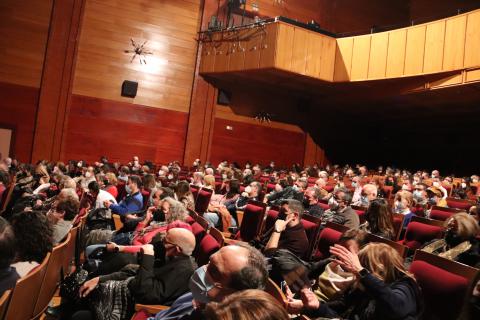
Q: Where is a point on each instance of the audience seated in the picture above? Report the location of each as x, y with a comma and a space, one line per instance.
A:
33, 240
460, 242
8, 274
340, 211
379, 219
403, 204
133, 201
310, 202
384, 289
147, 284
100, 196
62, 217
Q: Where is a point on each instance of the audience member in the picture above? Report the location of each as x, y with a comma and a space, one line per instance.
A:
8, 274
310, 202
379, 219
133, 201
340, 211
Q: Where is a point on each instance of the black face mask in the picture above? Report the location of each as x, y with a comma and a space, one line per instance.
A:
158, 215
282, 214
452, 239
306, 203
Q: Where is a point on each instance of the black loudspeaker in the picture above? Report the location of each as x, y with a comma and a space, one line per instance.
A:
129, 88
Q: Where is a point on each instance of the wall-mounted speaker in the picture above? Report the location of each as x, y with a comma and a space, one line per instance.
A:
129, 88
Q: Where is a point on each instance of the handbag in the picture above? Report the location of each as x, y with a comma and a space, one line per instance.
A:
70, 285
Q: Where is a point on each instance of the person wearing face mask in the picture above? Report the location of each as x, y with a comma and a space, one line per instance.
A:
132, 202
88, 176
288, 232
252, 192
290, 192
436, 197
100, 196
368, 193
340, 211
403, 203
310, 202
153, 282
217, 214
233, 268
463, 190
459, 242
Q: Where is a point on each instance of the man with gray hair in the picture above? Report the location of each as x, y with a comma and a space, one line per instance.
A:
340, 211
288, 232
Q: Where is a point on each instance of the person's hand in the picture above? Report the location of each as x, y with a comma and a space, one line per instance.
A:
106, 204
38, 203
112, 247
309, 299
347, 260
281, 225
148, 249
88, 287
294, 306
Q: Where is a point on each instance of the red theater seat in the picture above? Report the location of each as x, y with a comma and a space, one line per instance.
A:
253, 216
272, 215
328, 237
361, 212
420, 231
312, 229
207, 247
445, 285
441, 213
203, 200
460, 203
398, 224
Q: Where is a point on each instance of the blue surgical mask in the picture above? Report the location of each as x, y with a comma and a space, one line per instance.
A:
200, 284
399, 207
128, 189
354, 184
364, 201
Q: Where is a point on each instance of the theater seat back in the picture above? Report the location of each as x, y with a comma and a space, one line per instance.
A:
328, 237
252, 222
207, 247
418, 234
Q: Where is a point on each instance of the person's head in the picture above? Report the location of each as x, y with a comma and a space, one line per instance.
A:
461, 227
67, 193
369, 193
320, 183
67, 182
379, 217
198, 177
434, 195
300, 185
41, 173
291, 209
209, 181
66, 209
353, 240
233, 268
341, 199
34, 236
182, 188
311, 197
253, 189
149, 181
111, 178
90, 172
383, 261
94, 188
7, 244
178, 242
249, 304
435, 174
403, 201
233, 188
209, 171
173, 210
134, 184
420, 194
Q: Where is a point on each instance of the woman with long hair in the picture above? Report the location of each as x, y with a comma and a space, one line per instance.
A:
384, 289
379, 219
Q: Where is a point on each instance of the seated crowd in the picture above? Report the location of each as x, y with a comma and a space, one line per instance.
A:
152, 256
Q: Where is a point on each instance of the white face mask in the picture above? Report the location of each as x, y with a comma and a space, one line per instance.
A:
278, 188
475, 180
170, 177
200, 284
399, 207
88, 174
224, 176
161, 173
464, 185
248, 189
128, 189
332, 203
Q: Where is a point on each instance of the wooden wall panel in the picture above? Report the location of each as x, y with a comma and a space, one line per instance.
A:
454, 42
18, 106
170, 28
23, 38
415, 50
313, 61
397, 41
327, 60
267, 57
378, 56
343, 59
283, 57
256, 143
237, 52
360, 57
253, 49
299, 50
434, 42
120, 130
472, 40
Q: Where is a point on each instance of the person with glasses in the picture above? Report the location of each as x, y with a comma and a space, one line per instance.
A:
340, 211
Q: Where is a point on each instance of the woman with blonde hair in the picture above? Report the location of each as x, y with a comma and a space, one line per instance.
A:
111, 184
403, 204
384, 289
459, 242
246, 305
209, 182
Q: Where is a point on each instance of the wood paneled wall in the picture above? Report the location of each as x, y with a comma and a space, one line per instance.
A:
18, 106
23, 37
120, 130
170, 27
256, 143
427, 10
444, 45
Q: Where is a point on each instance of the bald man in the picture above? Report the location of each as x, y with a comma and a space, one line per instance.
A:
156, 284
